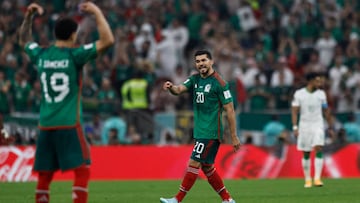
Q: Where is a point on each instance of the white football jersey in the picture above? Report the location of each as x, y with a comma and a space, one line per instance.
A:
311, 105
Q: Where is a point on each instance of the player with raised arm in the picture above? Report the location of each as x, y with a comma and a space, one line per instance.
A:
4, 135
311, 103
211, 96
61, 143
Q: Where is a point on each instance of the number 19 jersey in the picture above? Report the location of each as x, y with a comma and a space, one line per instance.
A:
60, 72
209, 96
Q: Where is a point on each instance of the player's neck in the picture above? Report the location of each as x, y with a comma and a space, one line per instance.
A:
64, 43
310, 88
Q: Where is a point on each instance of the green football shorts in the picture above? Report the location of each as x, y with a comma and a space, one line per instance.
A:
61, 149
205, 150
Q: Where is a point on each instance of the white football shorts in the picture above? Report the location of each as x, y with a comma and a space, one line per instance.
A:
310, 136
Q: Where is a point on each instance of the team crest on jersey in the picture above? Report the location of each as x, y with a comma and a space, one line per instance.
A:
207, 88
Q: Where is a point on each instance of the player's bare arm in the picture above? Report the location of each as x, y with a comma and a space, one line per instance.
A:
230, 114
25, 34
106, 37
3, 132
294, 118
174, 89
330, 120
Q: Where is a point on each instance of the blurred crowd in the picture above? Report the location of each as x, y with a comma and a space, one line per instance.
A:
262, 47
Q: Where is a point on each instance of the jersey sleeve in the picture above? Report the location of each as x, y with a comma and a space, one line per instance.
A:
225, 94
32, 49
323, 100
85, 53
189, 82
296, 100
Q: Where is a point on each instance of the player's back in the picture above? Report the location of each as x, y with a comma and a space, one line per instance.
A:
60, 81
60, 70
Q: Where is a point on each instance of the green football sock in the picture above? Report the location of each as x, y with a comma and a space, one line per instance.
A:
306, 155
319, 155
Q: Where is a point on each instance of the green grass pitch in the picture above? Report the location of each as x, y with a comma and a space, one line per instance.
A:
249, 191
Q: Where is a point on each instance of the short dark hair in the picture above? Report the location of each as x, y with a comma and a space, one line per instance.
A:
202, 52
64, 28
312, 75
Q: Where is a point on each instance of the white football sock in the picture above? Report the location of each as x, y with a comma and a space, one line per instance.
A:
306, 168
319, 162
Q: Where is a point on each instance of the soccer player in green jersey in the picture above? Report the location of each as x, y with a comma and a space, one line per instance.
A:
211, 95
61, 143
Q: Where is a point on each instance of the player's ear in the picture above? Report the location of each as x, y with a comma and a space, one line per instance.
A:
74, 36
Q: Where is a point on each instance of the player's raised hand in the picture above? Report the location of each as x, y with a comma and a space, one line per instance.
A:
167, 85
34, 8
89, 7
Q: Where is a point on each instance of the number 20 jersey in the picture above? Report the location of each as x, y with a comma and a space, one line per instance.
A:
60, 73
209, 96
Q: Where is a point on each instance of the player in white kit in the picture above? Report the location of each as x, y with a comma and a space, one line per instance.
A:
311, 103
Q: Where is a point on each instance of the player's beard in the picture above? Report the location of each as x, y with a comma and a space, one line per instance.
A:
204, 71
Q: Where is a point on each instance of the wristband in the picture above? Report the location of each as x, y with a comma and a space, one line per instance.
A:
6, 134
295, 127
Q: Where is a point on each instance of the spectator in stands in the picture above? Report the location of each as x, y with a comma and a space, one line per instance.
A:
336, 76
133, 136
259, 96
325, 45
145, 35
275, 131
314, 65
113, 137
180, 35
135, 97
107, 96
353, 83
35, 97
282, 75
166, 55
93, 129
352, 129
89, 93
115, 122
20, 91
4, 93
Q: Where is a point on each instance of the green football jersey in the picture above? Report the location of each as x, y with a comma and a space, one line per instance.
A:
209, 96
60, 72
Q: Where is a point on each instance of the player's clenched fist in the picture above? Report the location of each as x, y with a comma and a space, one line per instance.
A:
34, 8
167, 85
89, 7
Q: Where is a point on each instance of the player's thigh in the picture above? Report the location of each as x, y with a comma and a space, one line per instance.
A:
205, 150
304, 140
72, 148
45, 154
319, 137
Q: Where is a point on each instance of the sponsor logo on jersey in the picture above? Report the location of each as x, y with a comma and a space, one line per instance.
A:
88, 46
207, 88
227, 94
33, 45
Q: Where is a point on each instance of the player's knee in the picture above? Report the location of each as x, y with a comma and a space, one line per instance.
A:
194, 163
318, 148
206, 168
